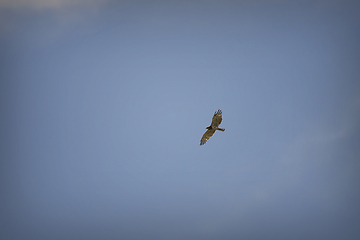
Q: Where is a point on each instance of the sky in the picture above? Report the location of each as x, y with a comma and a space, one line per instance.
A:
103, 105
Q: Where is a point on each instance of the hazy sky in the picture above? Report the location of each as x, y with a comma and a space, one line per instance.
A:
103, 104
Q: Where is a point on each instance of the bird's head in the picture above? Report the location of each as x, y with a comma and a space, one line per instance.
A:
209, 127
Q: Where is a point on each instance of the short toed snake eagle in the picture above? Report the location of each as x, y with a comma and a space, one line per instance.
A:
216, 120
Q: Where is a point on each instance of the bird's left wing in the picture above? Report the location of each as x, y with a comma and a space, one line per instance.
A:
217, 118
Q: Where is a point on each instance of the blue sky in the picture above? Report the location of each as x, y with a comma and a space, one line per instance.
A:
103, 104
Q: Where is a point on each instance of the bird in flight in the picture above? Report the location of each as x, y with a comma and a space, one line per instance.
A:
216, 120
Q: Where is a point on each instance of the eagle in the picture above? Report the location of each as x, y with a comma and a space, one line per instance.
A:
216, 120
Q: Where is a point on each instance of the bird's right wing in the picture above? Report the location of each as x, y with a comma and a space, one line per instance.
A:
206, 136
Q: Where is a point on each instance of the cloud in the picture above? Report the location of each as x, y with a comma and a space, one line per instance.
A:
48, 4
61, 15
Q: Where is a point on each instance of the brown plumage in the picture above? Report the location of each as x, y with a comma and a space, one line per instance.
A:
216, 120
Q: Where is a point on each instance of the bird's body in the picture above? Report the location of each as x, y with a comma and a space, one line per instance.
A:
216, 120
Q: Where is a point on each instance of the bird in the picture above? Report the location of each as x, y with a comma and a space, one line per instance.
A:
216, 120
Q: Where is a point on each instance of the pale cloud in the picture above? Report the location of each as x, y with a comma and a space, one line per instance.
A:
48, 4
64, 15
316, 148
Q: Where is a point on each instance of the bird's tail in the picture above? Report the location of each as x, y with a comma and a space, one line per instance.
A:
221, 129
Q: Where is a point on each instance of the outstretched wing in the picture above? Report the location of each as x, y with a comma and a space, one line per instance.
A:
206, 136
217, 118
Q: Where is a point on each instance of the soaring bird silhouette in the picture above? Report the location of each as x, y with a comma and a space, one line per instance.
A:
216, 120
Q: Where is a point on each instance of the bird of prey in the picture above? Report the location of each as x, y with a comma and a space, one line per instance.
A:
216, 120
